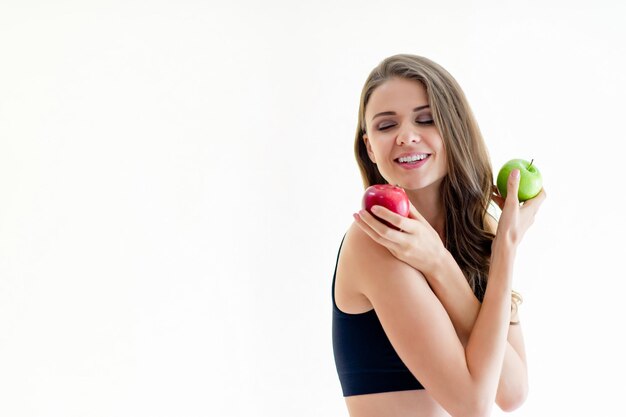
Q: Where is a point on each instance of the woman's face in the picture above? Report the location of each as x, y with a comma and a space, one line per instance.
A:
402, 139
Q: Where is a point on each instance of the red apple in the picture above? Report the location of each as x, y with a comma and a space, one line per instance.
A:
390, 196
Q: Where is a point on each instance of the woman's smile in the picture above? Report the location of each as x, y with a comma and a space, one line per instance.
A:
412, 161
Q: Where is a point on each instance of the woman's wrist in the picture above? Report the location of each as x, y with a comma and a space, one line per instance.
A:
503, 246
501, 265
440, 266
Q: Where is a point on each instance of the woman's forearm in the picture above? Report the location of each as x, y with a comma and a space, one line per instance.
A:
452, 289
454, 292
487, 341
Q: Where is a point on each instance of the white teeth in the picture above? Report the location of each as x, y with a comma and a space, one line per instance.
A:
412, 158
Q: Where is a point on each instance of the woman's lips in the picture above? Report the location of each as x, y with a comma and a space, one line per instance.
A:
413, 165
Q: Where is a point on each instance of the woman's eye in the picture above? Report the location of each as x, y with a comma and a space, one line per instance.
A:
419, 121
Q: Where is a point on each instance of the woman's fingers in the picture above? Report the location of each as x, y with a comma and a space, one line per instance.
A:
512, 188
376, 220
367, 228
391, 217
379, 232
536, 201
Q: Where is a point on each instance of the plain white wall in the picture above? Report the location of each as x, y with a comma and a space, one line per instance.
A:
176, 177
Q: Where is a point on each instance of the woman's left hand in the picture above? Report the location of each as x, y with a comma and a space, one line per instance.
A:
416, 243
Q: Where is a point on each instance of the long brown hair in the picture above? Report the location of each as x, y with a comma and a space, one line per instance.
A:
466, 188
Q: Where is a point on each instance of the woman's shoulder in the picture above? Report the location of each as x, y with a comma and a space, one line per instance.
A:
358, 246
368, 261
490, 222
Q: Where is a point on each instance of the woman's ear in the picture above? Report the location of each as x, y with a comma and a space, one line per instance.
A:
369, 148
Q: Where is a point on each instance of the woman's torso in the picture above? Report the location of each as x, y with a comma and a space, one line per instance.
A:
408, 403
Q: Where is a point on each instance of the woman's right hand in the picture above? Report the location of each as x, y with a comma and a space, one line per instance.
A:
515, 218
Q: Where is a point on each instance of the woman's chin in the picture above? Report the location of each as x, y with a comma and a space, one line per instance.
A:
418, 186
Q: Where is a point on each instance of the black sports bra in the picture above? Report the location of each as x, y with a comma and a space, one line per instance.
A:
365, 359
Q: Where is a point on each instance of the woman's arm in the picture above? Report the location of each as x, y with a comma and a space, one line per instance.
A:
452, 289
463, 379
454, 292
420, 247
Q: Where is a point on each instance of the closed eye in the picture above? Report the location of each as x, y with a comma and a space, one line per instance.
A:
420, 122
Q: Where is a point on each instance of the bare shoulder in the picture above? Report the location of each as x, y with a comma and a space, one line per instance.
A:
367, 260
491, 223
371, 258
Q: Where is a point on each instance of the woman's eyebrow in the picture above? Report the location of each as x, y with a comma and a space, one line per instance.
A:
392, 113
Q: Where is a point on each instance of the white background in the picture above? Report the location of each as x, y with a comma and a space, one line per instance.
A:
176, 177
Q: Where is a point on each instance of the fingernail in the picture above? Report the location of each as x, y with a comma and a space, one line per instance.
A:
516, 173
375, 209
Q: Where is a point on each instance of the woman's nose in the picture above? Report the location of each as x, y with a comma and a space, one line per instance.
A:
408, 135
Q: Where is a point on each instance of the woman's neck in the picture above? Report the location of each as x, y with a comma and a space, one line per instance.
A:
429, 202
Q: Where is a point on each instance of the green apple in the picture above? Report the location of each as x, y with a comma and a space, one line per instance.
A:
530, 181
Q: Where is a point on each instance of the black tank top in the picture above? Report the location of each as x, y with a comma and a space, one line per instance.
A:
365, 359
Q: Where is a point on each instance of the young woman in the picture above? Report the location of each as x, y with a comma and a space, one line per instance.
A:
425, 321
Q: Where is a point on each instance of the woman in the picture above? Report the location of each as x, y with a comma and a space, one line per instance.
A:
425, 321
